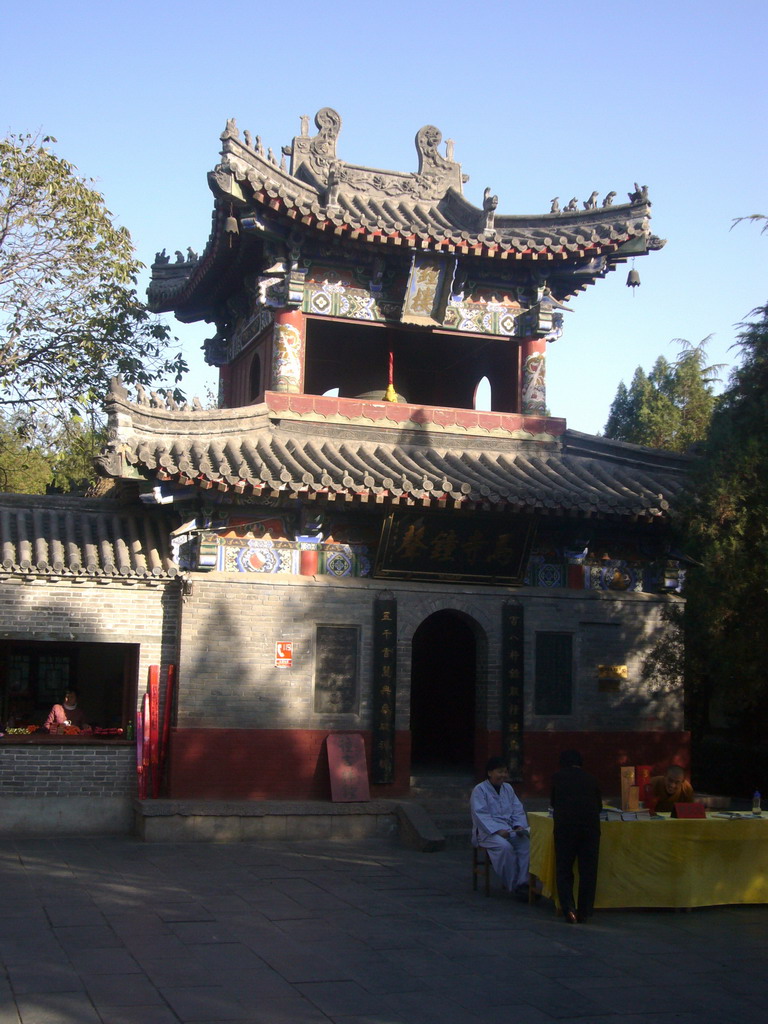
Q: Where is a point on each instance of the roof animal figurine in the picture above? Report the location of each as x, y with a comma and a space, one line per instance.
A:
490, 202
640, 195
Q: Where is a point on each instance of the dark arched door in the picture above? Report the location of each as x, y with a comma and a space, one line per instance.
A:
443, 673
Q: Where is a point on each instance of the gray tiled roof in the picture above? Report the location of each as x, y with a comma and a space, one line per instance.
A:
74, 537
423, 210
248, 451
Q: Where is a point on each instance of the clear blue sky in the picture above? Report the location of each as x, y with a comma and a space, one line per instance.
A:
542, 100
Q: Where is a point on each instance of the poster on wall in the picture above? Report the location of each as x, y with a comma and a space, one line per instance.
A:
284, 654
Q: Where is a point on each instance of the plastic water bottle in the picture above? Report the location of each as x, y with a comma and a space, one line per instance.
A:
756, 809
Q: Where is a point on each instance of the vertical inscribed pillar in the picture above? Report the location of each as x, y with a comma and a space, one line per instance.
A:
384, 673
288, 340
512, 707
534, 383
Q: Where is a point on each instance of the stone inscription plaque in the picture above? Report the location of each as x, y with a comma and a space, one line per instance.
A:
336, 670
346, 762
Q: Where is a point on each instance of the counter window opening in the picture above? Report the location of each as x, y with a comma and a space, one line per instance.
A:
35, 675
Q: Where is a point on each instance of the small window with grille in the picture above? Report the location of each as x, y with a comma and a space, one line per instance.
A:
553, 693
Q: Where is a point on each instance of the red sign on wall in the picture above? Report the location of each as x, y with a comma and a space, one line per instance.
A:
346, 761
284, 653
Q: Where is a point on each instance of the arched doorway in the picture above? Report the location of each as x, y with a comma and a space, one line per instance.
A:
443, 676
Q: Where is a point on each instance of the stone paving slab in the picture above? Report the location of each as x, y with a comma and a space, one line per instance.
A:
115, 931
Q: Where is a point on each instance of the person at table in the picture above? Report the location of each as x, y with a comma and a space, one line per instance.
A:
65, 714
670, 788
576, 805
500, 826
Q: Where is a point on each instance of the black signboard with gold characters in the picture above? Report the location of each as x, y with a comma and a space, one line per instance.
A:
473, 548
512, 682
384, 678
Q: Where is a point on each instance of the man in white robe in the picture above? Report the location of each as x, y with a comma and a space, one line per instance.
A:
500, 826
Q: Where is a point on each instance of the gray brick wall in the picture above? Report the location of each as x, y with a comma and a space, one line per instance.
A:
230, 624
40, 770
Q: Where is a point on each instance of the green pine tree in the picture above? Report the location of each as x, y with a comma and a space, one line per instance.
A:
671, 406
726, 521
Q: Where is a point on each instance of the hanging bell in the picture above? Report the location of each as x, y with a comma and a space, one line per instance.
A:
231, 227
633, 279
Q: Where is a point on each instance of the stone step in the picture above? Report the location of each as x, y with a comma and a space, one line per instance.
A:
457, 839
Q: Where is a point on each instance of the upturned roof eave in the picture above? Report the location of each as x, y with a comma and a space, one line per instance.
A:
247, 180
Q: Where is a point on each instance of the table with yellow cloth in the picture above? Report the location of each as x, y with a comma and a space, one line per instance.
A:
668, 862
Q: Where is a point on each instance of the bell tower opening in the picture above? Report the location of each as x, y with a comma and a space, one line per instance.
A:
443, 685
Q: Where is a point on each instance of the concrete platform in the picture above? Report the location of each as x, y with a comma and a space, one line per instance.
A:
237, 821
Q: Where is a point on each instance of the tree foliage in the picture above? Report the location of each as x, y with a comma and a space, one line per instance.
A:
671, 406
54, 455
726, 522
24, 469
70, 317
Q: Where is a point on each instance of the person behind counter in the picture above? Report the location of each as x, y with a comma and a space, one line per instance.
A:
64, 714
576, 805
669, 789
501, 827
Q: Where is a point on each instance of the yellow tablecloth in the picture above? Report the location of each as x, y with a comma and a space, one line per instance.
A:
668, 862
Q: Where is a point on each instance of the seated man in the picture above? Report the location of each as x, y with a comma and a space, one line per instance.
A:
669, 789
500, 826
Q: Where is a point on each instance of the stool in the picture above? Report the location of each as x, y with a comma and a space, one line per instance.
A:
481, 865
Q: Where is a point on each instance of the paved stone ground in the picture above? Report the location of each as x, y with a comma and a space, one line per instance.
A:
115, 931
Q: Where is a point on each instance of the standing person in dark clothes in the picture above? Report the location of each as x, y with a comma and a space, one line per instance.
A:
576, 805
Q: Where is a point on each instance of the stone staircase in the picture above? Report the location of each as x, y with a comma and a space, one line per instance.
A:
444, 796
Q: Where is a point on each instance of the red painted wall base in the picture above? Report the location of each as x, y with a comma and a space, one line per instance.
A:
292, 764
604, 753
264, 764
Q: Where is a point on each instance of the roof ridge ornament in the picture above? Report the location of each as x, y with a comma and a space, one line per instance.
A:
428, 139
314, 160
640, 195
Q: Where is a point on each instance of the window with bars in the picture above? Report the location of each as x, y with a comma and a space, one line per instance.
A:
553, 691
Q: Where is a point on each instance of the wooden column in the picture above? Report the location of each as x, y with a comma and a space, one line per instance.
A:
533, 400
288, 349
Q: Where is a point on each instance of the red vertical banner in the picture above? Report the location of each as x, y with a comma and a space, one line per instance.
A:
153, 690
140, 766
145, 718
170, 686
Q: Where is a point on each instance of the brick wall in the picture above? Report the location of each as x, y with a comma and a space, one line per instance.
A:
247, 724
52, 770
228, 677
